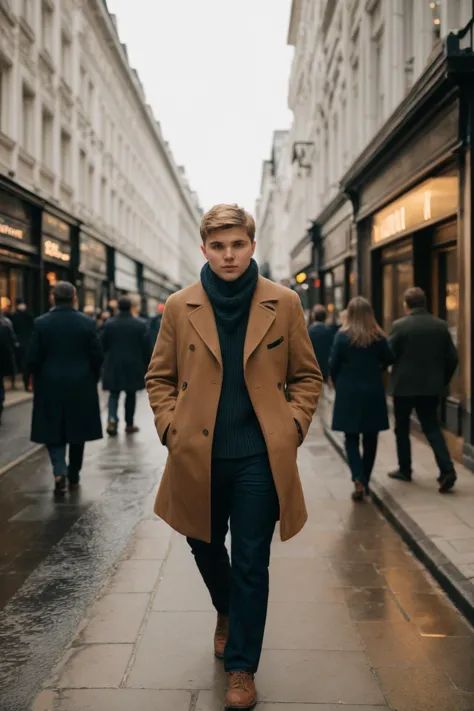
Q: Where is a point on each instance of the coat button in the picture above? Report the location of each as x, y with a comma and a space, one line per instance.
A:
185, 385
279, 386
192, 347
173, 432
205, 433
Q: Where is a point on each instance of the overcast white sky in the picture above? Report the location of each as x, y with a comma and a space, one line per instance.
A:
216, 74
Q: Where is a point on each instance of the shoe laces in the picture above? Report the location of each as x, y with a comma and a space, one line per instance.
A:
239, 680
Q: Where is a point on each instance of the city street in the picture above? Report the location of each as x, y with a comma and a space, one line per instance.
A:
109, 612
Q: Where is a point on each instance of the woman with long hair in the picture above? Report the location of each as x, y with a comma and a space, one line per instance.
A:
359, 356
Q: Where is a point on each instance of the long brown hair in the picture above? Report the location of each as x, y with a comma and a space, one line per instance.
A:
360, 324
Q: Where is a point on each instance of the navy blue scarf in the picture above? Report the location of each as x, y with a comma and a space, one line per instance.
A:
230, 299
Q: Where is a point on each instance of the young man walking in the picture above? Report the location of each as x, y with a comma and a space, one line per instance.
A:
233, 384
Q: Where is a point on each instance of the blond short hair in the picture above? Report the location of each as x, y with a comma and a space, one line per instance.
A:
223, 217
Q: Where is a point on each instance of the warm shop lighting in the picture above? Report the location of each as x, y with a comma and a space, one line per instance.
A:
301, 277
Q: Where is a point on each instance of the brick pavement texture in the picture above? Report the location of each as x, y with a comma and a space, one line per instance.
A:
354, 621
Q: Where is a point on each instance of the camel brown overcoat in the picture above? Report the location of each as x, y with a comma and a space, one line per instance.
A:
184, 384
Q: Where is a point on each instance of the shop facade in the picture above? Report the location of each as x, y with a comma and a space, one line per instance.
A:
126, 279
304, 270
58, 246
19, 250
93, 280
338, 257
410, 192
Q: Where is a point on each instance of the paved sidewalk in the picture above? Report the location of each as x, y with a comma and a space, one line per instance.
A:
440, 528
354, 621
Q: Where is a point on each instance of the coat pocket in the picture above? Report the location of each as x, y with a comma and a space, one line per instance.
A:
276, 343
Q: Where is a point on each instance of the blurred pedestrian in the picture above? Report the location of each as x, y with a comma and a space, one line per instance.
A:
6, 359
6, 319
359, 356
89, 310
23, 323
227, 347
154, 327
322, 338
425, 362
126, 349
64, 357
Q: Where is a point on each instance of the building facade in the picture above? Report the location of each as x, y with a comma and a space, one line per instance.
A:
381, 94
89, 189
272, 210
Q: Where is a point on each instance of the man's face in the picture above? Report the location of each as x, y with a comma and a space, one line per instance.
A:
229, 252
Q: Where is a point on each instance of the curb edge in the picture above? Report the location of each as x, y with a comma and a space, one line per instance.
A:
459, 589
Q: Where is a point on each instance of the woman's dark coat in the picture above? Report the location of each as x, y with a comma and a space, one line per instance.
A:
127, 353
7, 358
361, 404
64, 356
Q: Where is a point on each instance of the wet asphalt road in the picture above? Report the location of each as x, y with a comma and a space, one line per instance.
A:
15, 433
55, 555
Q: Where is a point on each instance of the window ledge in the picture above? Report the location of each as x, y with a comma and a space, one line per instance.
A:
66, 188
26, 157
47, 172
6, 141
27, 29
7, 12
47, 59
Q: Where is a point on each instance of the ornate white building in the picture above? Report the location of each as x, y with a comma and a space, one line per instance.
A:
78, 142
354, 62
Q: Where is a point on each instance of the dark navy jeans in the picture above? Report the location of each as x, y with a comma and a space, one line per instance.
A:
57, 455
130, 405
242, 491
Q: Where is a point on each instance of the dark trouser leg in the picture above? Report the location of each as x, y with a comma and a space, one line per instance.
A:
212, 558
426, 409
130, 404
113, 406
402, 408
354, 458
253, 516
57, 455
2, 397
369, 448
76, 456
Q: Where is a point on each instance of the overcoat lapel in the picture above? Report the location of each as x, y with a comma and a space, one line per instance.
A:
261, 318
203, 320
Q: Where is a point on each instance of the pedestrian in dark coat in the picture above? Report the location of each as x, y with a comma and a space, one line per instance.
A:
6, 359
64, 357
359, 356
322, 338
127, 353
425, 362
155, 325
23, 322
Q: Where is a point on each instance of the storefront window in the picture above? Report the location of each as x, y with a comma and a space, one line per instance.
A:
398, 276
448, 302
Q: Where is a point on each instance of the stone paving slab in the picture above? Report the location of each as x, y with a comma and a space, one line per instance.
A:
354, 621
439, 528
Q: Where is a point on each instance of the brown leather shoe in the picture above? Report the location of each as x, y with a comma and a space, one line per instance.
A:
241, 691
220, 635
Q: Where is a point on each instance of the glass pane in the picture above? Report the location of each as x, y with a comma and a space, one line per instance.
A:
452, 310
387, 297
404, 280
